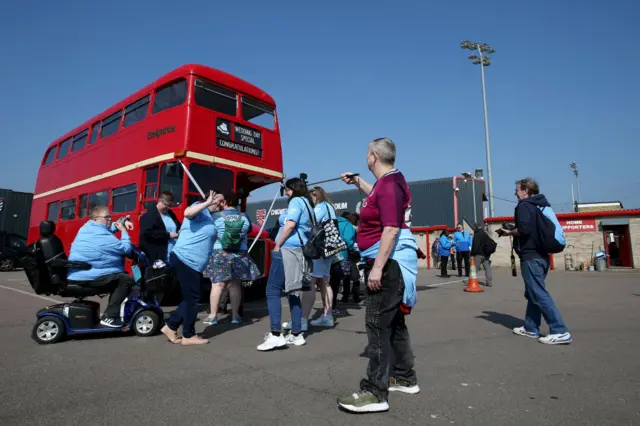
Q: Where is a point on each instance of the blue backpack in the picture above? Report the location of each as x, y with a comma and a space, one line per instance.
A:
550, 231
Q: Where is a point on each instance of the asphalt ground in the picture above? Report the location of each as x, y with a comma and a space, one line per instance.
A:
472, 370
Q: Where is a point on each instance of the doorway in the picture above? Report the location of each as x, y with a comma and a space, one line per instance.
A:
618, 245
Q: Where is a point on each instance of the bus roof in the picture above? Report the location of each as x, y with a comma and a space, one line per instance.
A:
215, 75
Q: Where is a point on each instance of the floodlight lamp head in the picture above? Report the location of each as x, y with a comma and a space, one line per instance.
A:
472, 57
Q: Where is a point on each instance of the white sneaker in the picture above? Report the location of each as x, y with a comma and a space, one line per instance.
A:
520, 331
556, 339
295, 340
272, 342
304, 325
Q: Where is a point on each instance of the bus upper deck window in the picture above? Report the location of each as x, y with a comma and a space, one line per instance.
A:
258, 113
216, 98
79, 141
111, 124
51, 154
170, 96
64, 149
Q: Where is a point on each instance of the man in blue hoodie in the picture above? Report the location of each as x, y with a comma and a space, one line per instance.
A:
534, 265
462, 241
96, 245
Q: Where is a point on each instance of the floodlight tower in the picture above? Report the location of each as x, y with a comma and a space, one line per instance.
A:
483, 60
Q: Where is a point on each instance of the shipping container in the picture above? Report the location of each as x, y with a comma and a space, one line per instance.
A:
443, 201
15, 209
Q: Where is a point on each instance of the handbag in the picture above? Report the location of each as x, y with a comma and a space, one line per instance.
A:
333, 242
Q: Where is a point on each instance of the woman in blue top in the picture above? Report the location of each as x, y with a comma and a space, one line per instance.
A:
444, 250
289, 269
188, 259
324, 211
230, 263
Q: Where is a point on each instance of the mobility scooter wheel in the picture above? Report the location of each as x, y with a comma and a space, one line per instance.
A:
48, 330
146, 323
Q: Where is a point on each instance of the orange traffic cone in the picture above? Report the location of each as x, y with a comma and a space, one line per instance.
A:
472, 284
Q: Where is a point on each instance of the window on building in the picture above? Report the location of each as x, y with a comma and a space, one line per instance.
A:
123, 199
258, 113
98, 199
170, 96
95, 131
54, 211
136, 111
110, 125
51, 154
68, 209
216, 98
79, 141
171, 175
84, 206
64, 149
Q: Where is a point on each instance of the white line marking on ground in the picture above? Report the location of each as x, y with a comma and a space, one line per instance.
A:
445, 283
31, 294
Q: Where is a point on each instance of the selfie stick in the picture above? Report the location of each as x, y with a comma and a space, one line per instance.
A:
334, 179
192, 179
264, 222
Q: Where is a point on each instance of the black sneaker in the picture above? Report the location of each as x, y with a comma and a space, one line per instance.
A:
111, 322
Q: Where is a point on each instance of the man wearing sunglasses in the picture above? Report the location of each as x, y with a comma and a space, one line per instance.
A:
97, 245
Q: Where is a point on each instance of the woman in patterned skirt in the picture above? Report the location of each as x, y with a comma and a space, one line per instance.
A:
230, 263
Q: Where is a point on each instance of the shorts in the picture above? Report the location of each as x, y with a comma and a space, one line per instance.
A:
231, 265
322, 267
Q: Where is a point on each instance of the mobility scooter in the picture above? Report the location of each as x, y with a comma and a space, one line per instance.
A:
46, 265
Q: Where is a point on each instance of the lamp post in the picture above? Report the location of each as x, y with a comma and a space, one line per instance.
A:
574, 166
467, 176
483, 60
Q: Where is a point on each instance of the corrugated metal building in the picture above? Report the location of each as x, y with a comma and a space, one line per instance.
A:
15, 210
435, 202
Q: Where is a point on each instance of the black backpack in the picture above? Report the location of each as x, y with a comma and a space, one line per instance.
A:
314, 248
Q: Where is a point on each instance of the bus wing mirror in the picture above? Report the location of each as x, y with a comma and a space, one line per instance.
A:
172, 170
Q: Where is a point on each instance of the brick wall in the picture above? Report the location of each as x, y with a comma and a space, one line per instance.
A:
580, 245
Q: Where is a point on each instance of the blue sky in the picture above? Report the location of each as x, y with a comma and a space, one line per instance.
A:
563, 85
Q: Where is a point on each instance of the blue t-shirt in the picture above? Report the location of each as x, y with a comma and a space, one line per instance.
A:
324, 211
298, 213
230, 214
195, 243
170, 226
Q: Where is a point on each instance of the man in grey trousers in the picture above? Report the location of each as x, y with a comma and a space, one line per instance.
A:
481, 249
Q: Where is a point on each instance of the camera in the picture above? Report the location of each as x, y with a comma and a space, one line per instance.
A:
507, 226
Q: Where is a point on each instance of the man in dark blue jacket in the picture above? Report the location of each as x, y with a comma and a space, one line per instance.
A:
534, 265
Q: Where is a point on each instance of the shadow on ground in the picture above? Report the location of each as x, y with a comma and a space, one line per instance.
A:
505, 320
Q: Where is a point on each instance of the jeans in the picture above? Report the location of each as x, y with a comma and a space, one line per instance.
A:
187, 311
275, 287
118, 285
540, 304
486, 265
389, 344
460, 256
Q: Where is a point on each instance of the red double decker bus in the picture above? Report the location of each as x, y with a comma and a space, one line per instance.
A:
222, 128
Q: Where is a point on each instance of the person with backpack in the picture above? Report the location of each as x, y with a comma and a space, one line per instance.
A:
341, 266
290, 269
230, 263
482, 249
537, 234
